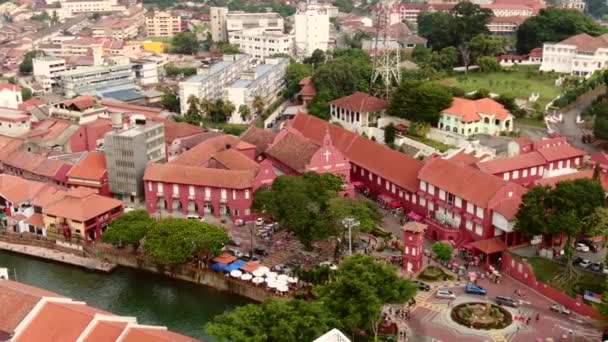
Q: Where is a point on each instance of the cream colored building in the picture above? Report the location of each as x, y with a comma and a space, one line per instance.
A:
162, 24
311, 31
261, 43
579, 55
223, 22
469, 117
72, 8
116, 28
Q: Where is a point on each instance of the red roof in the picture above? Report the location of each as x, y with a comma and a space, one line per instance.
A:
465, 158
360, 102
9, 86
585, 42
104, 331
293, 150
196, 175
389, 164
92, 167
560, 152
76, 207
308, 87
522, 161
81, 102
470, 110
490, 246
31, 102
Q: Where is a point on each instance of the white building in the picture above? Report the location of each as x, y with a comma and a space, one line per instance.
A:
96, 80
72, 8
10, 95
356, 111
163, 24
579, 55
210, 82
46, 71
469, 117
223, 22
146, 71
578, 5
261, 43
311, 31
266, 81
14, 123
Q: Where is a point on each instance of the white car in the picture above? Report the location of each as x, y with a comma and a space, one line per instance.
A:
445, 294
581, 247
584, 263
605, 270
560, 309
259, 221
237, 253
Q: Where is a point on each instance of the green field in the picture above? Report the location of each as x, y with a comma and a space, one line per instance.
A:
545, 270
520, 82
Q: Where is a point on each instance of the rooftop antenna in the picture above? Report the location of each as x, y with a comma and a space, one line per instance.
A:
386, 59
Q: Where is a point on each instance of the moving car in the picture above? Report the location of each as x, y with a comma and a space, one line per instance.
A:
445, 294
584, 263
421, 286
474, 289
560, 309
581, 247
508, 301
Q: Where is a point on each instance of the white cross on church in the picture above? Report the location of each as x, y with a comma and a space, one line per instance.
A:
327, 154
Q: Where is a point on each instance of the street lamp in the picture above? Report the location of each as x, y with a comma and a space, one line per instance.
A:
350, 223
251, 227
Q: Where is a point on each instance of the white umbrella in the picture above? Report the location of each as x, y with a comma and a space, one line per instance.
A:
272, 285
292, 280
281, 283
260, 271
282, 288
282, 277
264, 269
257, 280
271, 275
246, 276
236, 273
271, 280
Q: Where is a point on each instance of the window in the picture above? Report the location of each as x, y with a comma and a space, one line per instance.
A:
236, 212
451, 198
423, 185
478, 229
149, 186
524, 173
576, 161
560, 164
413, 198
441, 195
533, 171
470, 208
175, 189
224, 194
379, 180
505, 176
363, 172
469, 225
431, 206
388, 185
422, 202
208, 192
371, 177
515, 174
191, 190
479, 212
159, 187
246, 194
458, 202
247, 212
431, 189
407, 196
233, 194
393, 189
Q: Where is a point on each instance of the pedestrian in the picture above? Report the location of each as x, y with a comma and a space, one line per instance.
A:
537, 316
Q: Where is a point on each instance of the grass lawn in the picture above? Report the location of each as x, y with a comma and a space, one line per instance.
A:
520, 82
433, 143
545, 270
531, 122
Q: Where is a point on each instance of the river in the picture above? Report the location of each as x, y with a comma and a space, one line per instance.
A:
180, 306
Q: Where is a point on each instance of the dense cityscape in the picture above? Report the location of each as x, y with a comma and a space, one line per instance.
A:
277, 170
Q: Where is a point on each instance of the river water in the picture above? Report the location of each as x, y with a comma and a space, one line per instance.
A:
180, 306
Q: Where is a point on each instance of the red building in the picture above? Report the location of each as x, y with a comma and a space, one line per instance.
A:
413, 242
36, 167
90, 172
89, 136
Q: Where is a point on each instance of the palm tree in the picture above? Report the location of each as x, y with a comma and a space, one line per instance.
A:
245, 112
193, 114
258, 104
206, 107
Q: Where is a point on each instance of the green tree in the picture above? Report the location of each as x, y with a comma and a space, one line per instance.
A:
229, 49
193, 114
245, 112
597, 224
26, 93
295, 73
602, 308
553, 25
174, 241
442, 250
420, 101
185, 43
446, 59
488, 64
421, 54
364, 212
390, 133
317, 58
483, 45
345, 6
258, 104
129, 228
169, 100
600, 127
360, 290
275, 320
221, 110
355, 41
26, 66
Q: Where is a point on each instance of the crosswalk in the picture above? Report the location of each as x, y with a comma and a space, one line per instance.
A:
497, 337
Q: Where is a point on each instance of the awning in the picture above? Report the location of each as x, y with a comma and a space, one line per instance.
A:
234, 266
490, 246
218, 267
358, 185
414, 216
250, 266
385, 198
395, 204
224, 258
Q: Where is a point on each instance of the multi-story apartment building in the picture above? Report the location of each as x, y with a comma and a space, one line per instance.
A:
223, 22
146, 71
72, 8
510, 8
410, 11
162, 24
96, 79
210, 82
261, 43
47, 70
579, 55
128, 149
505, 26
265, 81
311, 31
116, 28
578, 5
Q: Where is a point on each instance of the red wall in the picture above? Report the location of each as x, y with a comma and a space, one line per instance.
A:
510, 266
85, 138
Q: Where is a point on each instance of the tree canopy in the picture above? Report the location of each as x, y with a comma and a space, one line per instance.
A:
185, 43
420, 101
275, 320
173, 241
295, 73
169, 100
27, 66
128, 228
553, 25
442, 250
390, 133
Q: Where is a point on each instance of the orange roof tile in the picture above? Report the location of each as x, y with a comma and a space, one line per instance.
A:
293, 150
470, 110
35, 220
153, 334
105, 331
201, 153
522, 161
465, 158
585, 42
83, 208
552, 181
490, 246
196, 175
259, 137
92, 166
18, 190
235, 160
360, 102
81, 102
560, 152
16, 301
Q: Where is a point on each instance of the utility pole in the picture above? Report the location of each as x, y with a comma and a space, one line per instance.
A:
350, 223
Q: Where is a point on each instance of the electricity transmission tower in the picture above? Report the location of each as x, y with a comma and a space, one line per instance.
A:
386, 54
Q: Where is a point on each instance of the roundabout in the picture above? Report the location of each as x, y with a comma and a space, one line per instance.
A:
481, 316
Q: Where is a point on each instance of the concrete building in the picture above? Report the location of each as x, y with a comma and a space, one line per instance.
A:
223, 22
162, 24
14, 123
356, 111
578, 5
116, 28
261, 43
95, 80
47, 70
505, 26
146, 71
128, 149
579, 55
509, 8
311, 31
210, 82
72, 8
470, 117
10, 95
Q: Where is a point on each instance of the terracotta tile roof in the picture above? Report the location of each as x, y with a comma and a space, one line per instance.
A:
516, 19
196, 175
234, 160
293, 150
18, 190
83, 208
308, 87
392, 165
469, 110
16, 301
48, 195
179, 130
8, 145
522, 141
600, 158
585, 42
465, 158
360, 102
31, 102
36, 164
9, 86
121, 107
35, 220
508, 207
522, 161
92, 166
415, 227
201, 153
552, 181
463, 181
153, 334
81, 102
490, 246
549, 142
560, 152
259, 137
105, 331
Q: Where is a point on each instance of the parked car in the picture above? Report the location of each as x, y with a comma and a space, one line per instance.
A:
584, 263
422, 286
576, 261
592, 246
581, 247
260, 251
596, 267
247, 257
239, 222
474, 289
259, 221
605, 270
560, 309
508, 301
236, 252
445, 294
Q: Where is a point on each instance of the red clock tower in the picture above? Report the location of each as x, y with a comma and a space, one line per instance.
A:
413, 241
